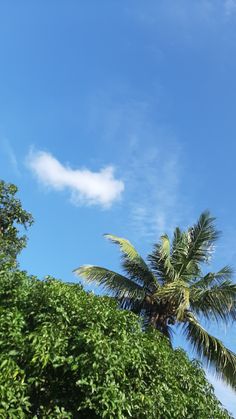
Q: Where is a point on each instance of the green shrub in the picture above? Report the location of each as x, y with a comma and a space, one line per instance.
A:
69, 354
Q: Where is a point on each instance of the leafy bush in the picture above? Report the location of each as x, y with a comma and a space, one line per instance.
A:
69, 354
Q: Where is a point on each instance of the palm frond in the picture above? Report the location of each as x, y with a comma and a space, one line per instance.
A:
160, 260
177, 294
212, 350
179, 248
211, 278
177, 237
218, 301
202, 236
171, 291
117, 284
133, 263
200, 239
184, 305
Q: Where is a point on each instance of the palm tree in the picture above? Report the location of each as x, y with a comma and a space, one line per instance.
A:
172, 289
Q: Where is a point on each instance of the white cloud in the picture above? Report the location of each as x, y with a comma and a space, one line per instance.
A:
86, 187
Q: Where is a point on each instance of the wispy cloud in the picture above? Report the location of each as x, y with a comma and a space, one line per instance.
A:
180, 11
9, 152
85, 186
156, 208
151, 164
230, 7
184, 14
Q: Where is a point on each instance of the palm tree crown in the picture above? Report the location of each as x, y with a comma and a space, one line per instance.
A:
172, 289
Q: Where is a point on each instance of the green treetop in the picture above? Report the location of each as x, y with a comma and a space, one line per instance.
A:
13, 219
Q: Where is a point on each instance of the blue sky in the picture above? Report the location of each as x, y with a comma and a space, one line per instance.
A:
119, 117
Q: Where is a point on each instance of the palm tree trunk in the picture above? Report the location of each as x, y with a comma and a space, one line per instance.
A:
158, 321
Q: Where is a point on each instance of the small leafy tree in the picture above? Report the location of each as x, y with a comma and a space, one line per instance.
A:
68, 354
173, 289
12, 218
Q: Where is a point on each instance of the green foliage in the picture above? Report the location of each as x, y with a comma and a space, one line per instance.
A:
12, 215
172, 289
69, 354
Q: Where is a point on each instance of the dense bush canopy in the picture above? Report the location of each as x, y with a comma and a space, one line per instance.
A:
68, 354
